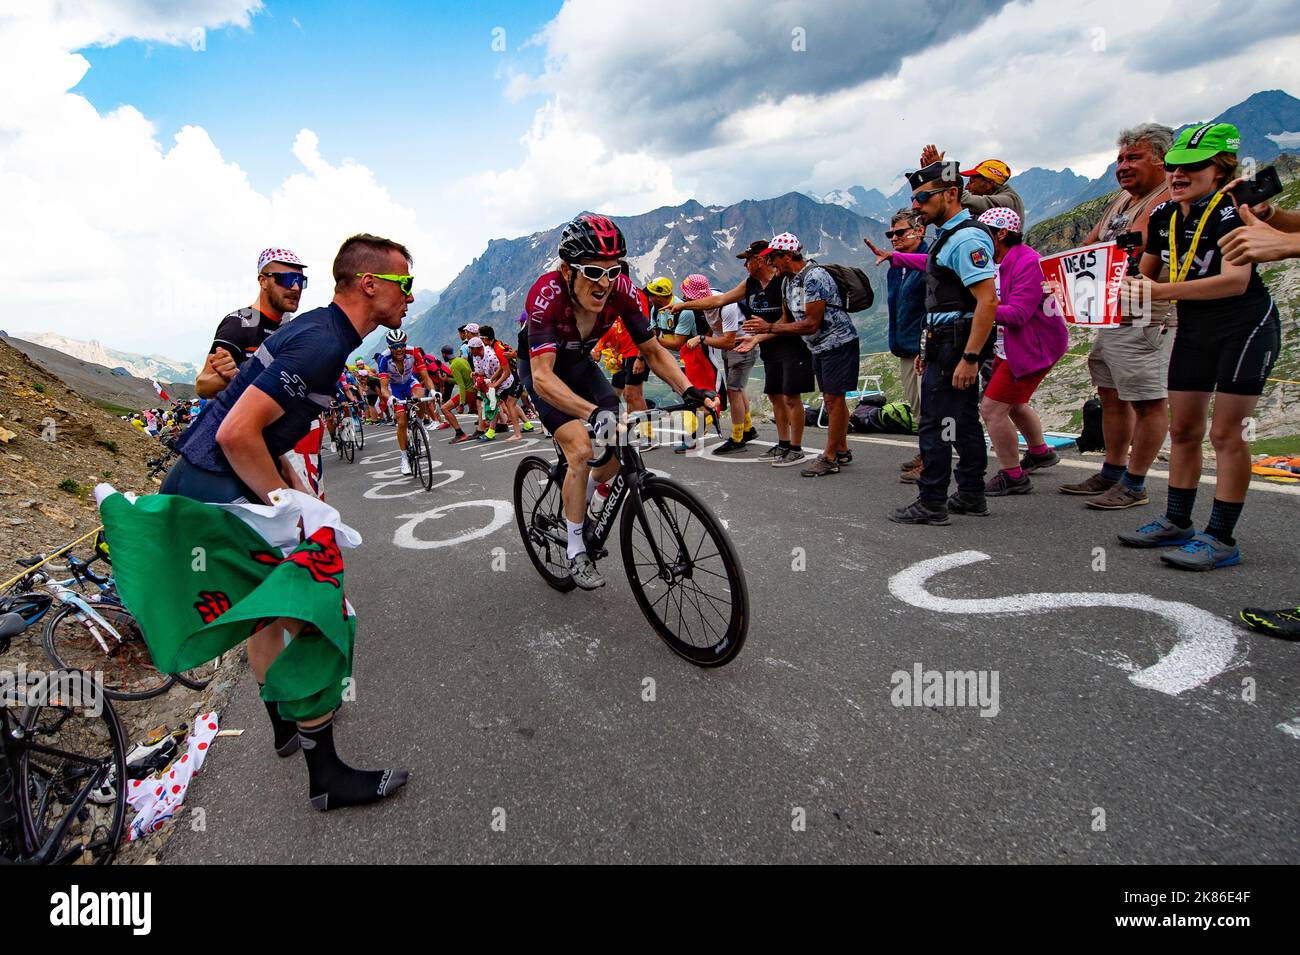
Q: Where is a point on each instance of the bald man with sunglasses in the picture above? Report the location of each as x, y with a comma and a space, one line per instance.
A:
281, 280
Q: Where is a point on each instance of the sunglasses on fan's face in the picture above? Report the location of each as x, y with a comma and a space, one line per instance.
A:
898, 233
1189, 166
286, 279
404, 282
594, 273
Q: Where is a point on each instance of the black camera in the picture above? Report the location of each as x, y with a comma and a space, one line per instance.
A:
1132, 244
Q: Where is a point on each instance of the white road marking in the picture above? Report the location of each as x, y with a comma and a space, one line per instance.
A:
393, 455
404, 536
1205, 648
1291, 727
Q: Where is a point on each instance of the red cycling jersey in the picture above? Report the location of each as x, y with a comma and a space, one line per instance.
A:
553, 324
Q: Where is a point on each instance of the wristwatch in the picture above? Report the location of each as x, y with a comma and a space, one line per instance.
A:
971, 356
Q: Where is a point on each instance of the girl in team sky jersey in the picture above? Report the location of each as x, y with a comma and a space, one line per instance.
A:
1229, 334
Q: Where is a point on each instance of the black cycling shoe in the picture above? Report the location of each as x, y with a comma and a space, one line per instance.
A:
968, 503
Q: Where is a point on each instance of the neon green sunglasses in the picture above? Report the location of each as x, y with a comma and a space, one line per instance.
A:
404, 282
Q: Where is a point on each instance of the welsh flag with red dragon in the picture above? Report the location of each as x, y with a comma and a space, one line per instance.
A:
200, 578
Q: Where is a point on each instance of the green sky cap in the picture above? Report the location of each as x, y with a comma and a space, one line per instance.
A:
1201, 142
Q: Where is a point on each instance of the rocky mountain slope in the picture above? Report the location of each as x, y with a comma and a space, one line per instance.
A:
141, 366
55, 446
112, 389
673, 241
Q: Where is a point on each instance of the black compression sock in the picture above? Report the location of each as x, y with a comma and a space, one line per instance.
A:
785, 443
333, 783
1223, 521
1179, 509
286, 731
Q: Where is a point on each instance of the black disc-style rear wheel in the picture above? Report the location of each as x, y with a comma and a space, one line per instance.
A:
697, 600
539, 512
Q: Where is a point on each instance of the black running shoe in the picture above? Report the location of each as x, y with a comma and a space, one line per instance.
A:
749, 436
1002, 484
1275, 623
729, 447
843, 457
1036, 462
774, 451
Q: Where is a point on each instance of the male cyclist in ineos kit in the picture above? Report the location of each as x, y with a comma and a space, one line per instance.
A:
568, 311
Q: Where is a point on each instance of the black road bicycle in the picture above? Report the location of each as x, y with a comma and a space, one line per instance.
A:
679, 560
419, 447
61, 754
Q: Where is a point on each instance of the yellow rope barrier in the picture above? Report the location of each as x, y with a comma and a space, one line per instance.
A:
62, 550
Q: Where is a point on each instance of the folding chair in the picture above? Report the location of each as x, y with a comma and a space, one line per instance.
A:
869, 385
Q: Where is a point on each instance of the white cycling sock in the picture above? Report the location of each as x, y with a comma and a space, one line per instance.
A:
575, 538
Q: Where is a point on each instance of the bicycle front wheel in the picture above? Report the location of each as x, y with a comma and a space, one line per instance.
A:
359, 426
349, 446
72, 642
70, 771
539, 512
685, 574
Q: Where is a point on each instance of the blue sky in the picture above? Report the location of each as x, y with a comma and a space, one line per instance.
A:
393, 86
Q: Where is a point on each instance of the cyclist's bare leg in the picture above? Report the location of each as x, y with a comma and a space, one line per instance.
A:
400, 411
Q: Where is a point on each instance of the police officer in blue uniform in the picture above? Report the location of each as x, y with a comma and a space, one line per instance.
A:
960, 303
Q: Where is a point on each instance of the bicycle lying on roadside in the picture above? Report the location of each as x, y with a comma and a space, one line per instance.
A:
683, 569
61, 752
94, 635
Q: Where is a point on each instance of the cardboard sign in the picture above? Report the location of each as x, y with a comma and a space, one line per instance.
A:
1086, 282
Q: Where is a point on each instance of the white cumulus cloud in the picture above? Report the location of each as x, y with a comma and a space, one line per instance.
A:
111, 233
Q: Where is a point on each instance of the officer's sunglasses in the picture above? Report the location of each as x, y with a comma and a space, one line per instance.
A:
924, 196
404, 282
594, 273
286, 279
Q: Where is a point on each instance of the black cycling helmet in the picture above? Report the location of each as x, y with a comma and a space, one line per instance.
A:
590, 237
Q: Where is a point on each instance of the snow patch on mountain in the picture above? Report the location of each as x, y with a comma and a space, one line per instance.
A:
644, 265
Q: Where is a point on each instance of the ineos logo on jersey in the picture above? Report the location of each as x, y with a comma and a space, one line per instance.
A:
293, 385
75, 908
547, 293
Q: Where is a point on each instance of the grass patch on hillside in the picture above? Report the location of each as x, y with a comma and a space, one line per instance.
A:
116, 410
1288, 444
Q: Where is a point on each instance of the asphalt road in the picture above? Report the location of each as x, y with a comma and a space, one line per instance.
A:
1145, 728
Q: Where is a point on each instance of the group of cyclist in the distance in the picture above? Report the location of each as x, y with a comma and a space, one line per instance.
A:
479, 380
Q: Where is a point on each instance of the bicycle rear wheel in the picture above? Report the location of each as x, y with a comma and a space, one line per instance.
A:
127, 669
699, 602
70, 771
359, 426
539, 513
